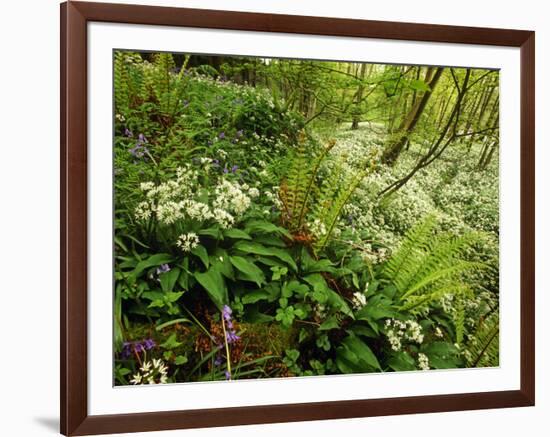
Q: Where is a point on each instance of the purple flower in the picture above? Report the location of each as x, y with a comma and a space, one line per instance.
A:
128, 133
218, 361
139, 150
234, 168
142, 139
225, 170
216, 163
226, 312
149, 344
221, 136
227, 375
126, 350
164, 268
131, 347
232, 337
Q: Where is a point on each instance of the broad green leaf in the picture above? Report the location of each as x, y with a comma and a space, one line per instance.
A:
211, 232
357, 355
152, 261
236, 234
401, 361
212, 281
328, 324
249, 269
258, 249
266, 227
200, 251
168, 279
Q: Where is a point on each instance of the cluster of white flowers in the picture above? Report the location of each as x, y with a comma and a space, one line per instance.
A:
438, 332
185, 198
398, 331
187, 242
273, 196
151, 372
231, 197
318, 228
374, 256
423, 361
358, 300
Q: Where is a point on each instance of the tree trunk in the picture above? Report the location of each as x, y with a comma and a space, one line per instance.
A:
394, 149
356, 117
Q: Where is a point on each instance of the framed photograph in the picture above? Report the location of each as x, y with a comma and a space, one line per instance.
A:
272, 218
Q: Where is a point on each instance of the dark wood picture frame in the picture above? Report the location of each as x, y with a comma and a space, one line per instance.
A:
74, 391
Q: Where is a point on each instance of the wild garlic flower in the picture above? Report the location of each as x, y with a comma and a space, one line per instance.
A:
151, 372
187, 242
359, 300
318, 228
423, 362
185, 198
399, 331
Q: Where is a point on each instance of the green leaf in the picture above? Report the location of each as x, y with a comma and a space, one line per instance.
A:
266, 227
401, 361
200, 251
171, 342
258, 249
236, 234
221, 261
269, 292
172, 322
365, 331
168, 279
180, 359
353, 355
253, 315
152, 261
419, 85
442, 355
376, 309
213, 282
249, 269
328, 324
211, 232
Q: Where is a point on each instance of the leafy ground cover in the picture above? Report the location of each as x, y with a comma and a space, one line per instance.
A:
258, 234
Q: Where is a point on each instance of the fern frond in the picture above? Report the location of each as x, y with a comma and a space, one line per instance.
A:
330, 218
427, 266
414, 245
483, 348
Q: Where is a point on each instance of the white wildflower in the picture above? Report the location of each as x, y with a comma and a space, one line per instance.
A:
187, 242
359, 300
423, 362
151, 372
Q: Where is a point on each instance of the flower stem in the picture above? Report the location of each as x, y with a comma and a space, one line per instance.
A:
228, 356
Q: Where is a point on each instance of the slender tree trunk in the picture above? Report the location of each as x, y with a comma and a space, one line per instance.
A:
409, 123
356, 117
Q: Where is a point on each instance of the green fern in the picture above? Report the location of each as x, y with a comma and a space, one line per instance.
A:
483, 349
298, 186
428, 267
330, 209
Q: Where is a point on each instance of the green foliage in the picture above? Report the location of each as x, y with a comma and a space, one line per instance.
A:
250, 238
426, 268
483, 349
